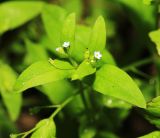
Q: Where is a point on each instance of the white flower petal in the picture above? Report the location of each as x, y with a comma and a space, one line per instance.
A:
97, 55
66, 44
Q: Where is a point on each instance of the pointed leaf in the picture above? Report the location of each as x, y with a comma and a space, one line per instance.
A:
53, 18
68, 30
39, 73
113, 81
98, 36
81, 42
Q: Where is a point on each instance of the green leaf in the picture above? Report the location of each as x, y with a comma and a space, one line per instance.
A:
40, 73
98, 36
89, 132
12, 101
32, 50
56, 93
53, 18
155, 134
155, 35
146, 13
107, 58
81, 42
73, 6
60, 64
147, 2
153, 106
45, 129
68, 31
84, 69
14, 14
113, 81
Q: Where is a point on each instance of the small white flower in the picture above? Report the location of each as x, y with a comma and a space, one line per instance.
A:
97, 55
66, 44
58, 49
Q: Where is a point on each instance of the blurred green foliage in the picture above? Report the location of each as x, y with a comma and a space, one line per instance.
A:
30, 32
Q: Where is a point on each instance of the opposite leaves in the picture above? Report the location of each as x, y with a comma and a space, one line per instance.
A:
112, 81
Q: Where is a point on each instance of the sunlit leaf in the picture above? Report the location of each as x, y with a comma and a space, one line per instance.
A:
84, 69
39, 73
45, 129
53, 18
112, 81
68, 31
98, 36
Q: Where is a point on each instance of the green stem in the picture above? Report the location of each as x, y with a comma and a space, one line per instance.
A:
38, 108
138, 64
62, 106
72, 62
83, 96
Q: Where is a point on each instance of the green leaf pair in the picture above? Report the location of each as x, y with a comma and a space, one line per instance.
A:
110, 80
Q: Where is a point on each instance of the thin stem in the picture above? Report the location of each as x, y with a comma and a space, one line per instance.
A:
38, 108
62, 106
72, 62
83, 96
138, 64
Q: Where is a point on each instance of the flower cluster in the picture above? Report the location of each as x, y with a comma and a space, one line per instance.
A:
96, 55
